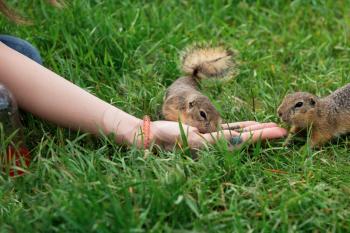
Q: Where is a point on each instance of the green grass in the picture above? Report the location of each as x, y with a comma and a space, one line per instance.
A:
126, 52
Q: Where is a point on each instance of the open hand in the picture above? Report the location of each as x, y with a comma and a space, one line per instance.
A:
167, 133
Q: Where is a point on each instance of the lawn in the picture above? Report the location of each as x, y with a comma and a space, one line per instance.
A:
126, 52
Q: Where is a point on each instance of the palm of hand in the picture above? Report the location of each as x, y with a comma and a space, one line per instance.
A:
168, 133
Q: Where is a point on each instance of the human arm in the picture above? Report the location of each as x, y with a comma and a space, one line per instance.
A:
51, 97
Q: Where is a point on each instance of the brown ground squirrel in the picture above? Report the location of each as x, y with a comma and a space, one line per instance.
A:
328, 117
184, 101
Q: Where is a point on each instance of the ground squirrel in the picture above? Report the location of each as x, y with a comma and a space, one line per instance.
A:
184, 101
328, 117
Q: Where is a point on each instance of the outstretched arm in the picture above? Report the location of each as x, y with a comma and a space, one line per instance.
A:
49, 96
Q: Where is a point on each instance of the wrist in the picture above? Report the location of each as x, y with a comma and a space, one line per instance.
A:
132, 136
125, 127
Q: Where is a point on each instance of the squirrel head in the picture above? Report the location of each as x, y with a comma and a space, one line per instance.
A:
202, 114
298, 109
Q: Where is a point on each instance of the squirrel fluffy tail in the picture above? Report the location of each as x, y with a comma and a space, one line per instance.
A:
208, 62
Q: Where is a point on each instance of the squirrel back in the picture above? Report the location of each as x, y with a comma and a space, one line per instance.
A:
183, 99
341, 97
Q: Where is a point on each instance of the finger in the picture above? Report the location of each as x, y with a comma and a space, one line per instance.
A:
238, 125
259, 126
263, 134
189, 129
235, 138
213, 137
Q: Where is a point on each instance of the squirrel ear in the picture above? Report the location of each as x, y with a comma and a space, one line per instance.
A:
312, 101
191, 104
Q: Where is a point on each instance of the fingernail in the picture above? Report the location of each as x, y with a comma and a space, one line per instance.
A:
235, 140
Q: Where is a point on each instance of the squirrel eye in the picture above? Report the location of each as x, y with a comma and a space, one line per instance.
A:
191, 104
299, 104
203, 114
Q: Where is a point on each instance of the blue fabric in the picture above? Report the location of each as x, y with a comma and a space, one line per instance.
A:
22, 47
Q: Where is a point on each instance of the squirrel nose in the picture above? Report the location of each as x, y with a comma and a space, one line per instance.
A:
280, 114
